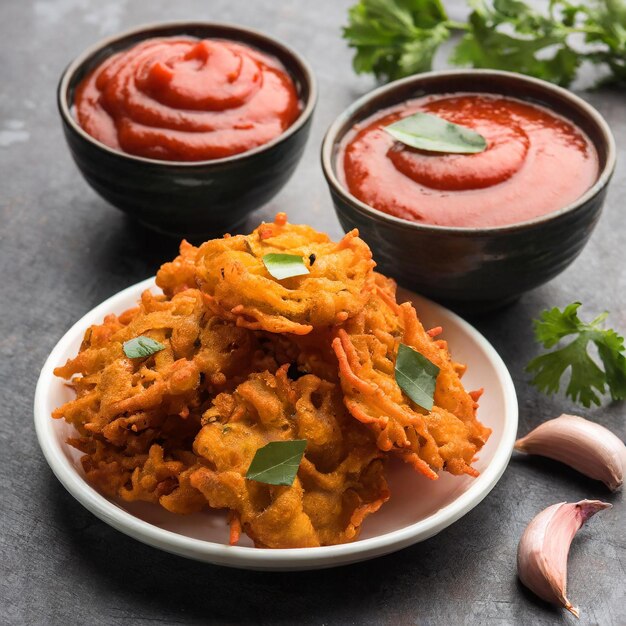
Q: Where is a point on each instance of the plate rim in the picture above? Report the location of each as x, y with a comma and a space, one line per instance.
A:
286, 559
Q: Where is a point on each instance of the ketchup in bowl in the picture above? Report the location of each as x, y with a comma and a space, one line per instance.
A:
186, 99
536, 162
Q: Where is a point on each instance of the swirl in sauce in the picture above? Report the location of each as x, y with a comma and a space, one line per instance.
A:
185, 99
535, 162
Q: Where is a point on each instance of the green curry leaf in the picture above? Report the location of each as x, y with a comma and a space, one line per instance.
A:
282, 266
277, 463
431, 132
141, 347
416, 376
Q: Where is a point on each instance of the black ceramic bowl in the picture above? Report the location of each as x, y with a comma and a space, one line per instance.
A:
473, 269
188, 198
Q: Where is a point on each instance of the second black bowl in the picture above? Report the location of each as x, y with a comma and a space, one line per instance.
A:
188, 198
473, 269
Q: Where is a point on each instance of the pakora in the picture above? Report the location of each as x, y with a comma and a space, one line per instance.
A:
446, 437
239, 287
246, 359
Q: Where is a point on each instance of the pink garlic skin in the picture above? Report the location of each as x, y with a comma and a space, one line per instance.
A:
591, 449
544, 547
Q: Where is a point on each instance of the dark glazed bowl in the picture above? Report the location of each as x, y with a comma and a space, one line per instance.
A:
188, 198
473, 269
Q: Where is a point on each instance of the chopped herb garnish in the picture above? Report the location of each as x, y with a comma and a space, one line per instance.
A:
416, 376
425, 131
277, 463
141, 347
282, 266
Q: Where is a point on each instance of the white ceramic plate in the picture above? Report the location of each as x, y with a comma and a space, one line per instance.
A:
418, 509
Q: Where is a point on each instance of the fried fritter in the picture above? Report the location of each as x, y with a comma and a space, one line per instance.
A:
123, 406
447, 437
239, 287
249, 360
179, 274
340, 479
452, 421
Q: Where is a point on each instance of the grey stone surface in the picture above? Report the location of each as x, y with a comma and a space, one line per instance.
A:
63, 250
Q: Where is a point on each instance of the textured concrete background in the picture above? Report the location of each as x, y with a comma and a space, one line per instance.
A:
63, 250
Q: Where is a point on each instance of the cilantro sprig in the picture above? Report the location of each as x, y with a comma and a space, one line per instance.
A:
396, 38
587, 379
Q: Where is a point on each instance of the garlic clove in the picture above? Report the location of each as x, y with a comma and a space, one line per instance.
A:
544, 547
591, 449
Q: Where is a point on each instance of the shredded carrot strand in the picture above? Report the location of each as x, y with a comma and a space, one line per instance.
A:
235, 528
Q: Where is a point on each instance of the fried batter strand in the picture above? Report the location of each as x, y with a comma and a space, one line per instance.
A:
249, 360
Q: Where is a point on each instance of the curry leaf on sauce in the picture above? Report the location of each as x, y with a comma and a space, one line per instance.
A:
277, 463
282, 266
416, 376
141, 347
431, 132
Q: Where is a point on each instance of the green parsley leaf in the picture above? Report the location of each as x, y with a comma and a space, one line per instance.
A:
277, 463
141, 347
431, 132
397, 38
554, 324
588, 381
604, 25
416, 376
511, 35
611, 351
282, 266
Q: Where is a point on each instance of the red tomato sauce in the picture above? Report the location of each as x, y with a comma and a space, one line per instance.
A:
185, 99
535, 162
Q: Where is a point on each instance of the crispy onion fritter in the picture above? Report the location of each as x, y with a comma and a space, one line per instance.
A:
449, 436
230, 271
341, 476
249, 360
